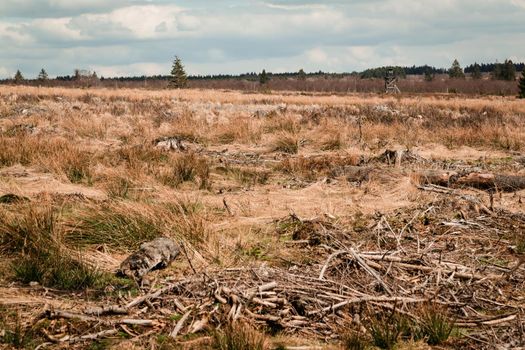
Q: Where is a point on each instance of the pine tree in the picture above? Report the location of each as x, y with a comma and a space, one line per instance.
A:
301, 75
428, 75
178, 80
263, 77
521, 85
476, 71
18, 77
455, 72
509, 71
76, 75
42, 76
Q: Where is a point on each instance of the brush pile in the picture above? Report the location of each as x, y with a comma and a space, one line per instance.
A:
442, 254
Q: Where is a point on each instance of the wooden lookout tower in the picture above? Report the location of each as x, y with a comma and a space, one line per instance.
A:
390, 82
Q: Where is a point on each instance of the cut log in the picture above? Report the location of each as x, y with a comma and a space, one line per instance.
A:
357, 173
484, 181
496, 182
152, 255
397, 157
437, 177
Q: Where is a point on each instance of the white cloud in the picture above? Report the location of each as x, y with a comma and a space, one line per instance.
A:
231, 36
135, 69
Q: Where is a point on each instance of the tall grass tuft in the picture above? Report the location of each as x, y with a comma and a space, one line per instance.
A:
355, 341
187, 167
120, 225
238, 337
126, 225
286, 143
32, 234
386, 329
435, 326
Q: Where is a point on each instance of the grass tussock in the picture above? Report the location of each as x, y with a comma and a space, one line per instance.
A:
386, 330
332, 142
238, 336
313, 167
126, 225
32, 235
244, 175
239, 129
53, 154
355, 341
14, 333
187, 167
435, 326
120, 225
286, 143
432, 326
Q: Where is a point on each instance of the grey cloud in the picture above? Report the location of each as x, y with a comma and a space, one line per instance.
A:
226, 35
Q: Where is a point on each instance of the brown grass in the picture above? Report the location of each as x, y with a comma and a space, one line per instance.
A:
251, 159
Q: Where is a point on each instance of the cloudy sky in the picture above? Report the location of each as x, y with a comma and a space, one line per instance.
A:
135, 37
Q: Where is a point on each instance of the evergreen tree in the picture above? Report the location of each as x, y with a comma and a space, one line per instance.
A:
301, 75
476, 71
42, 76
455, 72
428, 75
521, 85
178, 80
18, 77
263, 77
504, 71
509, 71
497, 71
76, 75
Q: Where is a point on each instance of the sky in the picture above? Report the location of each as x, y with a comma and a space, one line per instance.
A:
136, 37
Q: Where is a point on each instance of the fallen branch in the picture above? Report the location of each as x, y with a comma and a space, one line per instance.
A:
364, 300
179, 325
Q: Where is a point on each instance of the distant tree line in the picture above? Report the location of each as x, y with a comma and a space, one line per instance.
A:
368, 80
499, 71
490, 67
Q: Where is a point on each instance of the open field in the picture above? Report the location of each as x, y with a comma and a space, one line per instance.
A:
313, 221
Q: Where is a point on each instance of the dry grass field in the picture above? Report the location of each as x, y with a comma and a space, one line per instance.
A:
306, 221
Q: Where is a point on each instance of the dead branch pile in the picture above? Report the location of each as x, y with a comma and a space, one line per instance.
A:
480, 180
421, 256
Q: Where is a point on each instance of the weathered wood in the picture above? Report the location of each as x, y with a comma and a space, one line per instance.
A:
437, 177
497, 182
484, 181
151, 255
357, 173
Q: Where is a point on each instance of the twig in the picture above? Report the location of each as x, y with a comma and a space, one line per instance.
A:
364, 300
179, 325
93, 336
156, 294
328, 260
369, 270
104, 310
